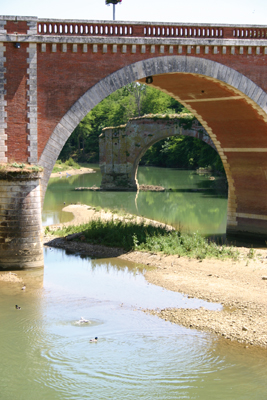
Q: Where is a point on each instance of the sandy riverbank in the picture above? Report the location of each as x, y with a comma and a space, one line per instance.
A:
83, 214
240, 286
82, 170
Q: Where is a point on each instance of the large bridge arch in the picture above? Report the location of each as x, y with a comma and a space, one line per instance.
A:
230, 107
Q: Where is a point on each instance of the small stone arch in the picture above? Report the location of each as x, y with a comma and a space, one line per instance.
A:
121, 148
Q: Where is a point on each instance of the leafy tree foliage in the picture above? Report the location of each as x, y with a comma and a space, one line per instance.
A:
131, 101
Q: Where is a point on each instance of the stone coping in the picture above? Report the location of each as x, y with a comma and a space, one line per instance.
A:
131, 40
162, 117
8, 172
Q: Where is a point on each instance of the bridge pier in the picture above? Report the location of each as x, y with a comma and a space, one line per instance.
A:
20, 220
247, 206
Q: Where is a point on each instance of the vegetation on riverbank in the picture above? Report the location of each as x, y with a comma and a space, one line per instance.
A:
135, 100
130, 235
61, 166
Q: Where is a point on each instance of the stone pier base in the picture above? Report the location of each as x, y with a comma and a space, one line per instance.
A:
118, 182
20, 220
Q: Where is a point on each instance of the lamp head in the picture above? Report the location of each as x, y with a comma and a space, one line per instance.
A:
149, 79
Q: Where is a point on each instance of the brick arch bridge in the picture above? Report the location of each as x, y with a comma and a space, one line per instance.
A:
121, 147
52, 73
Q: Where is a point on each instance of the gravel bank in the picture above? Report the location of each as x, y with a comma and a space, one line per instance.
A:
240, 286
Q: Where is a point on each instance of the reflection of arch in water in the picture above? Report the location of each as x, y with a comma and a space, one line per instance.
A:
121, 148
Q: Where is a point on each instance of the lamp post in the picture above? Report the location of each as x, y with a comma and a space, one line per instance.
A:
114, 2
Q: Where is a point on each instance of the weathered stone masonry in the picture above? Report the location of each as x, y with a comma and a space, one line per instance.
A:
52, 73
121, 147
20, 220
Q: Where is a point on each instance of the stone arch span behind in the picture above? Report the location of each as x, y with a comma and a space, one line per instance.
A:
230, 107
121, 148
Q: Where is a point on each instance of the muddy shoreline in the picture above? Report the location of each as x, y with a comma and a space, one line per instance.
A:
240, 286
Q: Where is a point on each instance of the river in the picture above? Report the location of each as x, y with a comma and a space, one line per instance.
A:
47, 355
191, 205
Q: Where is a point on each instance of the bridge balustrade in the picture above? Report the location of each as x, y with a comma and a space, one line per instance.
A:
78, 29
150, 30
250, 33
182, 32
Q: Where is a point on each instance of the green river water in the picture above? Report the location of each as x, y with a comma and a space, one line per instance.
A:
190, 205
47, 355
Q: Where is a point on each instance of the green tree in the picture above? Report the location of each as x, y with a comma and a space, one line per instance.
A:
131, 101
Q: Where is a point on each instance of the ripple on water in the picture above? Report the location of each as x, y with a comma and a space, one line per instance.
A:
137, 356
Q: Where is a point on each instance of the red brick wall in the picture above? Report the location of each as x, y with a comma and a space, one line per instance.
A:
16, 97
64, 77
18, 27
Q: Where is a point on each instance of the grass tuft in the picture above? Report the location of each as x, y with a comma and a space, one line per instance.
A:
133, 236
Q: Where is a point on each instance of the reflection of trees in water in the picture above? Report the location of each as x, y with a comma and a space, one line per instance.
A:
118, 265
202, 211
191, 210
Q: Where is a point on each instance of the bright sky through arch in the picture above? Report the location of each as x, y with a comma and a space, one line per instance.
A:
194, 11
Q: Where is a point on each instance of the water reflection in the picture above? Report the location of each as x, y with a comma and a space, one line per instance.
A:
203, 211
45, 355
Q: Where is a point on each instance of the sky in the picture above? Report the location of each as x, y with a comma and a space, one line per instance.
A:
250, 12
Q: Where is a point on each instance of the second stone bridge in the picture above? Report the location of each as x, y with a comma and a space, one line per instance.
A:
121, 147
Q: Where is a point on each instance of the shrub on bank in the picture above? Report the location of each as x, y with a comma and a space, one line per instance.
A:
69, 164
